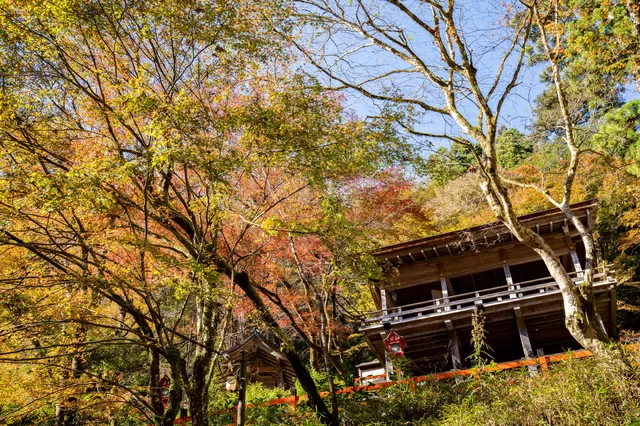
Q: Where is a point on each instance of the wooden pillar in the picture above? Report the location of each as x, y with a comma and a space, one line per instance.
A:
242, 393
443, 286
507, 274
374, 293
543, 360
613, 313
388, 365
524, 338
383, 301
454, 344
601, 323
294, 398
281, 383
572, 249
524, 334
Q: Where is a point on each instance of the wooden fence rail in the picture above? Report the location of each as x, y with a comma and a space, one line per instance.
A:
542, 361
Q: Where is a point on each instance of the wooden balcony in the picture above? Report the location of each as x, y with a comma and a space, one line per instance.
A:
522, 319
516, 293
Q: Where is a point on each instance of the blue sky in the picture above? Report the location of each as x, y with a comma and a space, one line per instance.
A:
482, 23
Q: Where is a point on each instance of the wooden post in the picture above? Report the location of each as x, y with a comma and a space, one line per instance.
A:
242, 392
507, 274
454, 344
543, 360
524, 339
281, 382
572, 250
601, 323
412, 383
614, 312
443, 286
294, 399
383, 301
436, 295
388, 365
183, 416
524, 334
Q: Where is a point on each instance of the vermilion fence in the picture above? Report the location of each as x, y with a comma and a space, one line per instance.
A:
542, 361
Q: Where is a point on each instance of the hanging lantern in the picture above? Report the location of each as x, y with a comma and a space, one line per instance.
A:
164, 384
395, 344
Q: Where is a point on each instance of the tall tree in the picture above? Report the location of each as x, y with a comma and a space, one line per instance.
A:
432, 59
603, 38
512, 147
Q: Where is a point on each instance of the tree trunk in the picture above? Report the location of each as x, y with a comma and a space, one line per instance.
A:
174, 397
314, 356
579, 305
66, 414
198, 388
198, 391
154, 384
198, 394
242, 280
327, 355
242, 391
633, 9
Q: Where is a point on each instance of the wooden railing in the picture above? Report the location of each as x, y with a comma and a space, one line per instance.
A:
487, 297
541, 362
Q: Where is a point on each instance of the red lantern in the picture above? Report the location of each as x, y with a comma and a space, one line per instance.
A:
395, 344
164, 384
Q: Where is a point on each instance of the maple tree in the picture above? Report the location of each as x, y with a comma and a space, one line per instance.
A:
149, 152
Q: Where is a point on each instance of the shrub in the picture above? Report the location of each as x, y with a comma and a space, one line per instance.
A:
576, 392
400, 404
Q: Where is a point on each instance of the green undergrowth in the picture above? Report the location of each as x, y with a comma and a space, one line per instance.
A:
575, 392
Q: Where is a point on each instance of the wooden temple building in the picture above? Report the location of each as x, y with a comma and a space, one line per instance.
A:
265, 364
432, 286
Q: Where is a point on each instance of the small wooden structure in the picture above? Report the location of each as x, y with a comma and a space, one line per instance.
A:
432, 286
265, 363
370, 372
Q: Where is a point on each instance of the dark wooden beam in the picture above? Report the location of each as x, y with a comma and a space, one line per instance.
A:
443, 285
454, 344
601, 323
240, 419
572, 248
524, 339
524, 334
383, 301
507, 272
613, 313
